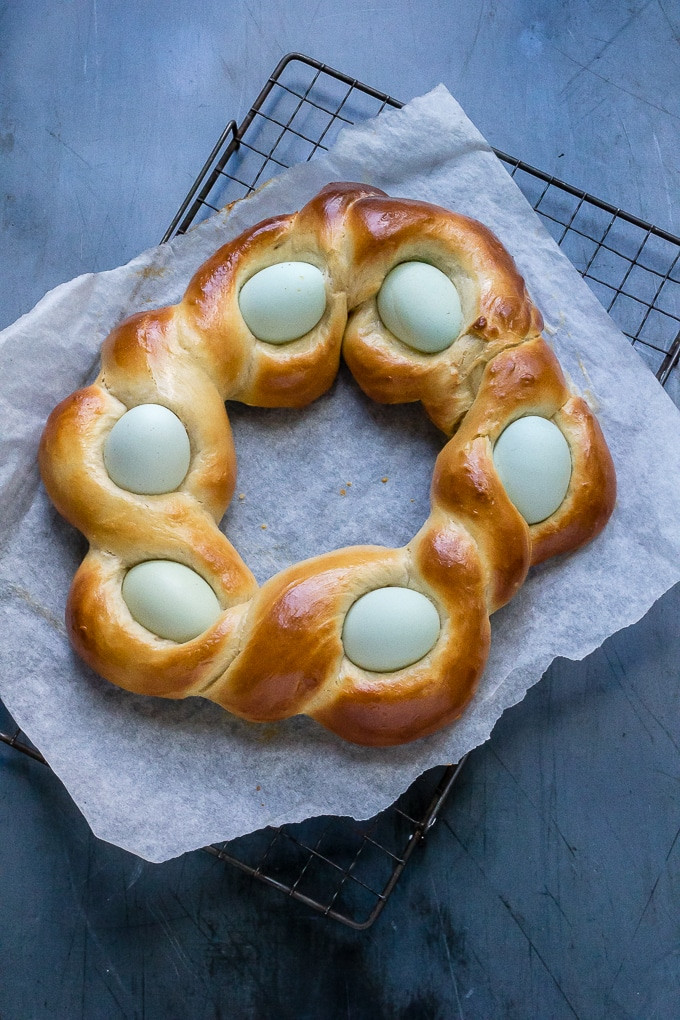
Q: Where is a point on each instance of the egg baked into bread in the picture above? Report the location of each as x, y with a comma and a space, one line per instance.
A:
380, 645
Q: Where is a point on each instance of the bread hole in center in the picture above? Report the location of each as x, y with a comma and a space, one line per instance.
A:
342, 471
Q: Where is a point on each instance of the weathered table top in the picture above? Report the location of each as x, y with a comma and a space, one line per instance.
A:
550, 887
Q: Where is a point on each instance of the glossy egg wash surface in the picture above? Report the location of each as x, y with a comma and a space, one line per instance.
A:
380, 645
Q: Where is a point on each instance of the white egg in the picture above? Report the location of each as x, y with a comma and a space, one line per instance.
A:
533, 462
147, 451
283, 302
169, 599
421, 306
390, 628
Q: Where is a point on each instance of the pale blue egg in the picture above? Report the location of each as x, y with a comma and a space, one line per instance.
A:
390, 628
533, 461
170, 599
283, 302
147, 451
421, 306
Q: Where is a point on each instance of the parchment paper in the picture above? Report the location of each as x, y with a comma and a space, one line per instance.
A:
160, 778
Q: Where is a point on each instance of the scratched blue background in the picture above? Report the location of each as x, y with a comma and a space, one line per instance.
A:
551, 886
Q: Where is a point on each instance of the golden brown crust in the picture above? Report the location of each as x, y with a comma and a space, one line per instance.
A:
106, 636
496, 308
301, 608
591, 496
466, 486
277, 650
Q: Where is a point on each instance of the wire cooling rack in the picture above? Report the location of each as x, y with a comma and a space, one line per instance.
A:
344, 869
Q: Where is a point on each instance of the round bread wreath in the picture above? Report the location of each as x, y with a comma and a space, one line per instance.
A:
380, 645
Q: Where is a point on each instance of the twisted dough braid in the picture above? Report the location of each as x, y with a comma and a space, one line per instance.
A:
277, 650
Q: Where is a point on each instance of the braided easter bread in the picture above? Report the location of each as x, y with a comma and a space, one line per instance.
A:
380, 645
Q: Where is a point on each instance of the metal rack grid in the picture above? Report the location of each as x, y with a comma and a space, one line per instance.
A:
632, 266
344, 869
347, 870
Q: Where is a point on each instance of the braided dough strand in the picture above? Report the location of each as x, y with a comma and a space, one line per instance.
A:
277, 650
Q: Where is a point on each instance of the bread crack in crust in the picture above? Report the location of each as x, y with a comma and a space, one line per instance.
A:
382, 646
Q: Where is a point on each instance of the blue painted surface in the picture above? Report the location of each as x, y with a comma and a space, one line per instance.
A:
551, 886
